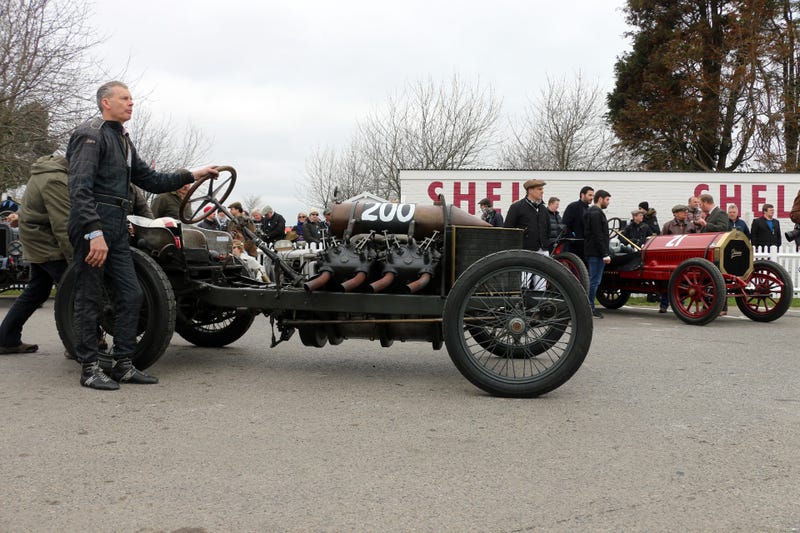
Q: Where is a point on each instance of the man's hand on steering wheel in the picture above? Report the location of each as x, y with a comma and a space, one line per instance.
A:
203, 172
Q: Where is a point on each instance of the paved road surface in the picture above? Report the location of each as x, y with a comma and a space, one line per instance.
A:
666, 427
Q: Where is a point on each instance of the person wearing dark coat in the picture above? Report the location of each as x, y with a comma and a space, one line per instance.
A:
650, 218
489, 214
556, 223
596, 244
273, 225
637, 230
530, 214
573, 220
716, 219
735, 222
766, 230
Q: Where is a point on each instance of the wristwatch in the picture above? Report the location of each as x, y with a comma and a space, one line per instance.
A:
93, 235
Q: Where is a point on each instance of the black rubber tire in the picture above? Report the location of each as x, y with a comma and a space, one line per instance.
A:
216, 328
767, 280
156, 316
314, 336
611, 299
489, 296
574, 264
697, 291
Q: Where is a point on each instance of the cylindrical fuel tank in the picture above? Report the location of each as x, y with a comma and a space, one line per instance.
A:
397, 218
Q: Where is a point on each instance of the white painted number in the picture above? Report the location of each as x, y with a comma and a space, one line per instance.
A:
675, 241
388, 212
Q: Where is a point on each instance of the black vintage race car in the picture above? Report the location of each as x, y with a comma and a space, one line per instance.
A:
514, 323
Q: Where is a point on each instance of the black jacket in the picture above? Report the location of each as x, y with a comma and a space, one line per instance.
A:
102, 163
760, 234
573, 218
534, 220
638, 233
274, 228
556, 225
595, 236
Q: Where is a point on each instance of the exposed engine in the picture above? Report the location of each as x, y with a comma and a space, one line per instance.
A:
393, 248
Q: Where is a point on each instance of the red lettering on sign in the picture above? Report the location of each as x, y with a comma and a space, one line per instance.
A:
726, 199
490, 194
700, 189
435, 189
780, 211
514, 192
468, 197
758, 199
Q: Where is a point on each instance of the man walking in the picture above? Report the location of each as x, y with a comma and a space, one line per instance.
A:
102, 163
596, 244
43, 233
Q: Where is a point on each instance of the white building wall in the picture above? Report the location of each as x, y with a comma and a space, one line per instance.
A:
465, 188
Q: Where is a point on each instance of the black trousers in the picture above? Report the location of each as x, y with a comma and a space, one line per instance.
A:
37, 291
119, 275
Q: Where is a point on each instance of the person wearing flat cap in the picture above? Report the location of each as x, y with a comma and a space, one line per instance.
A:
530, 214
680, 224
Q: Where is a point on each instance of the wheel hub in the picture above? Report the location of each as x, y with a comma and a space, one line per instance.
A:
516, 326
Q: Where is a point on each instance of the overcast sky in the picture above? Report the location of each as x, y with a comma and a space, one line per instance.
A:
268, 81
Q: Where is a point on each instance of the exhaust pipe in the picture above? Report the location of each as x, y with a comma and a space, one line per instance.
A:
318, 282
420, 284
382, 283
353, 283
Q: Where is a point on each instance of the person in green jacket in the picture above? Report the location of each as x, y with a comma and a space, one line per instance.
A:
46, 246
168, 204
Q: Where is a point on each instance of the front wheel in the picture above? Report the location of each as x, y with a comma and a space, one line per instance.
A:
697, 291
574, 264
156, 316
517, 298
769, 292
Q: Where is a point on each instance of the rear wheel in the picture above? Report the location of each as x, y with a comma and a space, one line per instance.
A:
612, 298
156, 316
492, 300
769, 292
697, 291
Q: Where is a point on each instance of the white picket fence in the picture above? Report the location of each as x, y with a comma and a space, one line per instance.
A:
785, 255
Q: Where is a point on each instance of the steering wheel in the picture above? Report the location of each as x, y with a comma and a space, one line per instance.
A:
212, 197
614, 226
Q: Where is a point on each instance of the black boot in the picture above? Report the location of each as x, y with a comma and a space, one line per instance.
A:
122, 370
92, 376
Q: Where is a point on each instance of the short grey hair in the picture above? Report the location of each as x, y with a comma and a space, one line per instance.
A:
106, 90
267, 209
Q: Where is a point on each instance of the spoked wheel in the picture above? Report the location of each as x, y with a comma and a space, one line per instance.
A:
697, 291
206, 192
210, 326
612, 298
574, 264
769, 292
517, 299
156, 316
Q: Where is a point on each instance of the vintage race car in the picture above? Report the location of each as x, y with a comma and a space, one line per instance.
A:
697, 272
514, 323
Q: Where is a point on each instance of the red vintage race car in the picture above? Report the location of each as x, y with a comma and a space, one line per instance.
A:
698, 272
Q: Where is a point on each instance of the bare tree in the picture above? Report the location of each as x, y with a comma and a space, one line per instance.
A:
45, 79
427, 126
564, 129
251, 202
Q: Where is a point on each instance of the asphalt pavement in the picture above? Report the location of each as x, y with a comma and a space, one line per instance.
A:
665, 427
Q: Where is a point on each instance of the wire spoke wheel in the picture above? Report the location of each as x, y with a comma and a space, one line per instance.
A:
768, 294
697, 291
517, 324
